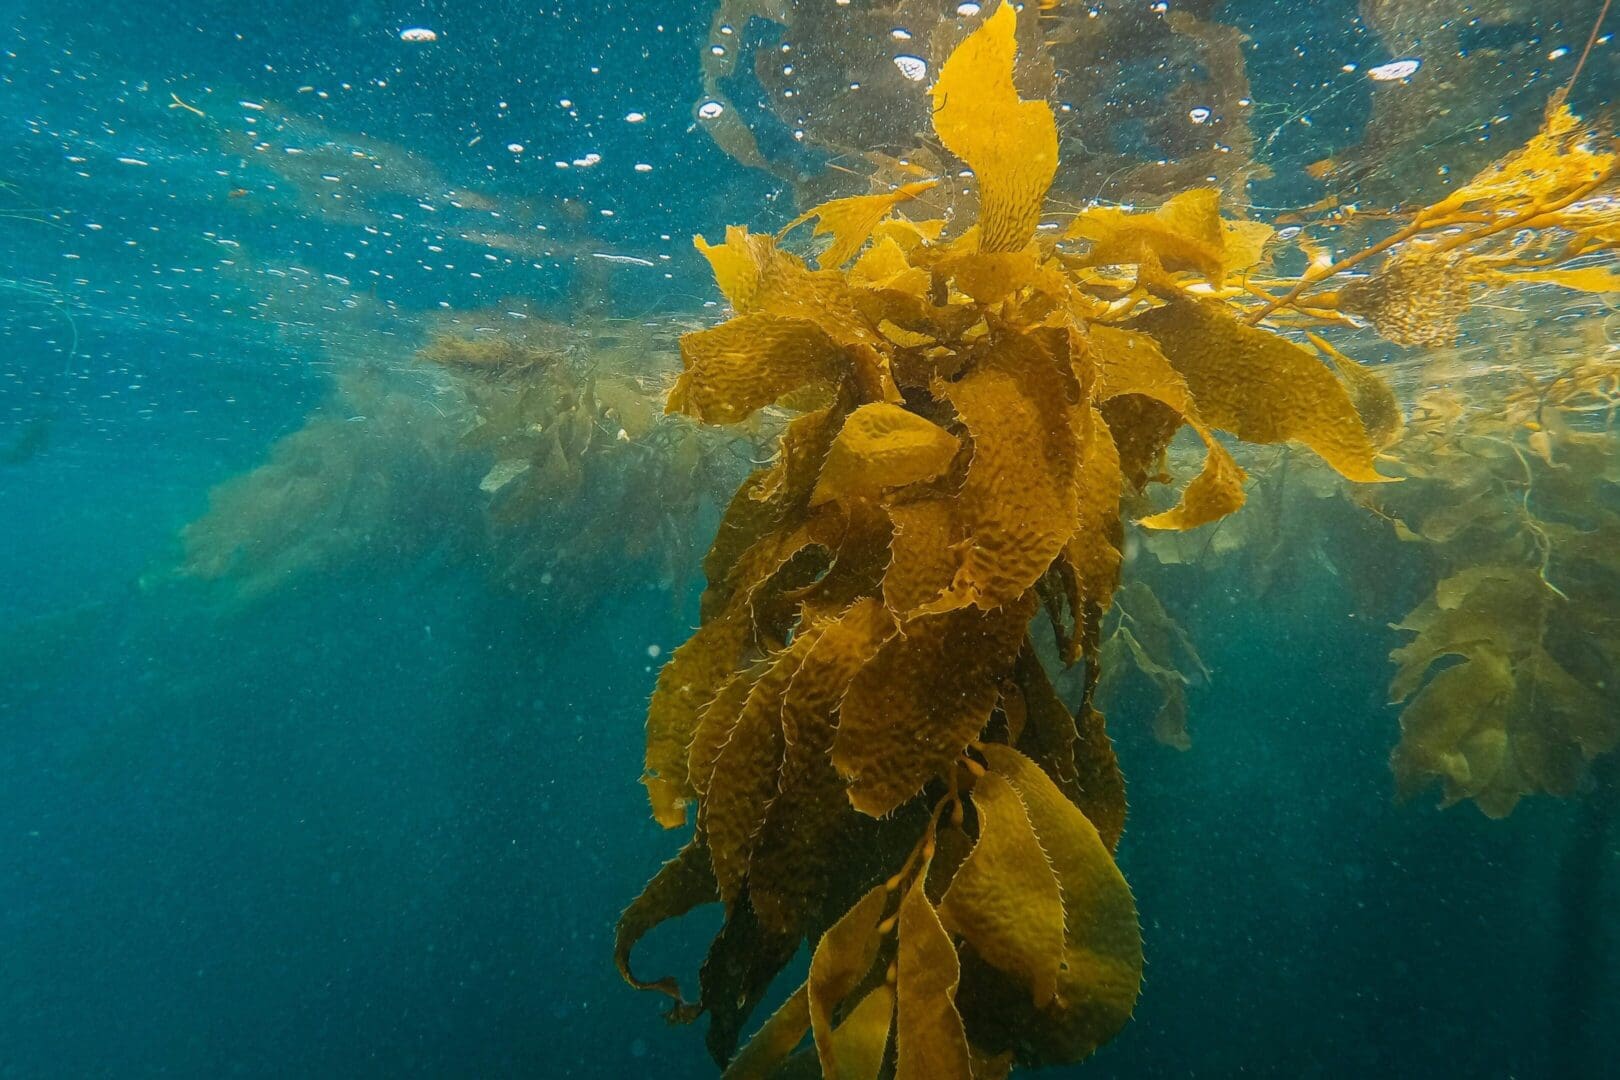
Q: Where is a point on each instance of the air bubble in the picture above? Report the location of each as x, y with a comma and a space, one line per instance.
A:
914, 68
1394, 71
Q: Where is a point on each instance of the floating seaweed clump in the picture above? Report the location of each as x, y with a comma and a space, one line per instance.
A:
1506, 678
878, 760
540, 455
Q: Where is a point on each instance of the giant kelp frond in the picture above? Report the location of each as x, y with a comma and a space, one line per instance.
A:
879, 763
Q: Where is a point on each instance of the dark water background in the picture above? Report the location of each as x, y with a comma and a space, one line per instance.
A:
382, 823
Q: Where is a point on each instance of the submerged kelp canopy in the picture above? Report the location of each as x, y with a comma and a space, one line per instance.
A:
535, 451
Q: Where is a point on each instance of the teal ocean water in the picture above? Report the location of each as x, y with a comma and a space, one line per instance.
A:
321, 735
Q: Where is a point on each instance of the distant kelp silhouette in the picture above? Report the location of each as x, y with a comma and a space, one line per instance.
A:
538, 454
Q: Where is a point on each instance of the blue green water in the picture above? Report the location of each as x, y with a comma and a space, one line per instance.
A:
382, 821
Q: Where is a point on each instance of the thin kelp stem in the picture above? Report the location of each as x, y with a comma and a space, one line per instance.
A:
1563, 95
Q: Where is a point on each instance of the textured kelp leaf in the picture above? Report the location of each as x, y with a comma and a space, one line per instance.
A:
1373, 398
742, 960
1509, 720
1010, 144
796, 857
685, 882
1094, 554
851, 220
1150, 641
1131, 363
768, 498
1017, 506
1101, 968
884, 265
1501, 606
859, 534
1456, 730
1004, 900
883, 446
1142, 429
1186, 233
736, 264
930, 1041
746, 769
859, 1043
1215, 492
777, 1038
927, 693
842, 958
688, 682
1076, 753
989, 277
1260, 387
716, 722
923, 560
752, 361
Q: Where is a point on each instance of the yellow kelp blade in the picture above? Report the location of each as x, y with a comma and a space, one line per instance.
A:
1017, 506
883, 446
684, 883
1186, 233
842, 958
1101, 969
1131, 362
851, 220
926, 694
858, 1044
1556, 163
1005, 901
736, 264
777, 1038
688, 682
1214, 493
1373, 398
745, 772
1010, 144
930, 1041
1591, 279
742, 365
1260, 387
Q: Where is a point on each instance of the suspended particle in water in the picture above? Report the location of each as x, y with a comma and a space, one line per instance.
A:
1199, 115
515, 147
900, 33
914, 68
1394, 71
418, 35
709, 110
634, 117
967, 11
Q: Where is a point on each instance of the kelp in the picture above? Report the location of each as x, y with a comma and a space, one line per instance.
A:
536, 452
1147, 640
879, 764
1504, 681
